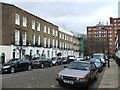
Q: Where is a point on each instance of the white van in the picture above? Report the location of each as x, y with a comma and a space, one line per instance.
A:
100, 56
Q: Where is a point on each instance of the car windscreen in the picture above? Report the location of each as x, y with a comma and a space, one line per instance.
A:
12, 60
71, 57
35, 58
54, 58
79, 66
95, 60
98, 56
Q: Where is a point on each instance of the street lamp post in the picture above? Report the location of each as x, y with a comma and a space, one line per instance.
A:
107, 46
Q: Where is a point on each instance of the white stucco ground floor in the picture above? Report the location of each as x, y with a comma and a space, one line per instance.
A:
15, 52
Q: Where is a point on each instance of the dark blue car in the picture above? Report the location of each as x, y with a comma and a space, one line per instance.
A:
16, 65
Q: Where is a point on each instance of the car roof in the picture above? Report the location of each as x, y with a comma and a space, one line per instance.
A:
83, 61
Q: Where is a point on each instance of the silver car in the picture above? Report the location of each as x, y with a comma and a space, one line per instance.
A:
78, 74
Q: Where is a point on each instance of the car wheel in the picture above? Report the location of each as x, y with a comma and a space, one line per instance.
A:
42, 65
95, 78
55, 64
61, 84
29, 67
12, 70
50, 64
88, 83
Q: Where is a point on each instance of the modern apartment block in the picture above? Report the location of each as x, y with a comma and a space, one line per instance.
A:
23, 33
101, 37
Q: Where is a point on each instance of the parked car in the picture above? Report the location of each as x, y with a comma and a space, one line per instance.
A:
56, 61
78, 74
98, 64
71, 58
64, 60
16, 65
100, 56
41, 61
80, 59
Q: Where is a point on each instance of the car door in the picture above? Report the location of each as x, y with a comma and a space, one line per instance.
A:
47, 62
93, 70
20, 64
25, 64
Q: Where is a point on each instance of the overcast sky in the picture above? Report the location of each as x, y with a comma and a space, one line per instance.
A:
71, 15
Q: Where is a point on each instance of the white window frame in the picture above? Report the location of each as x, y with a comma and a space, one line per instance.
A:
33, 39
48, 42
60, 35
53, 42
56, 33
17, 19
38, 40
17, 37
24, 38
48, 30
38, 26
33, 24
53, 32
44, 28
24, 21
44, 41
56, 43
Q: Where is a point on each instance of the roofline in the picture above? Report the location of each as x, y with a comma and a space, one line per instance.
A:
29, 13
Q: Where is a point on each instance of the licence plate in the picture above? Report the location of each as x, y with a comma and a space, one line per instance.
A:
67, 81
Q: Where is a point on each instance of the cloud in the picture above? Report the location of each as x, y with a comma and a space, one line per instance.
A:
74, 15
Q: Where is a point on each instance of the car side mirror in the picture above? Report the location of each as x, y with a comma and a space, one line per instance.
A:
18, 62
65, 66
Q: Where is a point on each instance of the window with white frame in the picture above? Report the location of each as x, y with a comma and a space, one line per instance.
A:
110, 35
44, 28
110, 39
60, 44
49, 42
17, 37
24, 21
118, 24
118, 20
38, 40
60, 35
65, 37
48, 30
17, 19
110, 31
56, 43
33, 39
63, 44
38, 26
33, 24
53, 42
44, 41
53, 31
114, 20
56, 33
24, 38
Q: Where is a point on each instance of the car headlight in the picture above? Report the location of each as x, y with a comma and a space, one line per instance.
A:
5, 67
60, 76
103, 60
82, 79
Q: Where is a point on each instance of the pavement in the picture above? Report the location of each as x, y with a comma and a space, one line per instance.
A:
110, 76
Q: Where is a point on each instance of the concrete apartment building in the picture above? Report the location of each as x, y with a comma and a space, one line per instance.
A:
100, 35
23, 33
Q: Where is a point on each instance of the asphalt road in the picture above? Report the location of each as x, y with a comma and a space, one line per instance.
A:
38, 78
